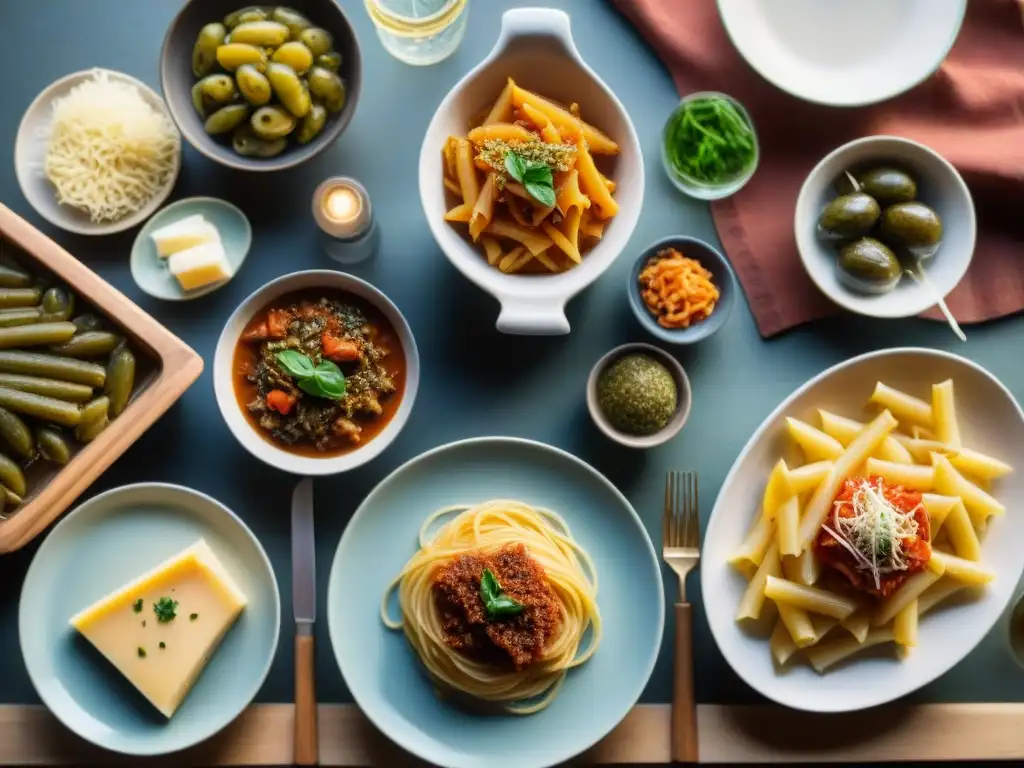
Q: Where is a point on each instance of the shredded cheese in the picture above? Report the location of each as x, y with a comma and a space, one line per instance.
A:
875, 532
109, 151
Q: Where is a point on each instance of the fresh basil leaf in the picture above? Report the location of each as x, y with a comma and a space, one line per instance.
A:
504, 606
489, 587
515, 165
538, 173
295, 363
332, 385
542, 193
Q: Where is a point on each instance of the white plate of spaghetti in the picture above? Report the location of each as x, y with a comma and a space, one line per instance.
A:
487, 593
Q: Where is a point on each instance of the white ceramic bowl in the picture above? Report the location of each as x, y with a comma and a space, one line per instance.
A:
30, 151
939, 186
843, 53
990, 420
223, 383
536, 49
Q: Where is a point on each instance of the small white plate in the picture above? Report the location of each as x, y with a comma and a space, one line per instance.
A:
843, 52
151, 272
30, 150
991, 422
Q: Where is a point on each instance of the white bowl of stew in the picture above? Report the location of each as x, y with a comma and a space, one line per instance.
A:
316, 372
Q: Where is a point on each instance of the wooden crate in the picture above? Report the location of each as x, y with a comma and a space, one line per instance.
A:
167, 367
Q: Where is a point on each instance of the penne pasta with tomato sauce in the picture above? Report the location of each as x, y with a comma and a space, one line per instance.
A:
526, 181
855, 527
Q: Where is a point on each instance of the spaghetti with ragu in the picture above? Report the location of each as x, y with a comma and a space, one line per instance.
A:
498, 604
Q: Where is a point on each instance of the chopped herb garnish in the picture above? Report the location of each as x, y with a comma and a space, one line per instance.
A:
165, 609
710, 141
535, 176
137, 606
162, 645
193, 616
142, 652
557, 157
497, 604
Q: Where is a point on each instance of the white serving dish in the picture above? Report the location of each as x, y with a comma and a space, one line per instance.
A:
990, 420
939, 186
223, 364
536, 49
840, 53
30, 151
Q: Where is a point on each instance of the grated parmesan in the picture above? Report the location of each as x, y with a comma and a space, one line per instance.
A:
110, 151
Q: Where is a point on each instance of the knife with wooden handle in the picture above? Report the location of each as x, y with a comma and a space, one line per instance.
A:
304, 604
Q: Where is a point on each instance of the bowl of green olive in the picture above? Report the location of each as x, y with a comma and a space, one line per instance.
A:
885, 226
261, 87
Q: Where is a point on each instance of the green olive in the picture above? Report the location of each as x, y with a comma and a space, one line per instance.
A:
311, 124
197, 99
234, 55
331, 61
245, 15
295, 55
272, 122
318, 40
226, 119
327, 86
204, 52
261, 33
248, 144
288, 88
292, 19
254, 85
218, 89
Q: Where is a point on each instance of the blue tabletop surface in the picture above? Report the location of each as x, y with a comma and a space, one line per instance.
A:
474, 381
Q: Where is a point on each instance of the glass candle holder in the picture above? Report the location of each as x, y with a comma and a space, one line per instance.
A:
419, 32
342, 210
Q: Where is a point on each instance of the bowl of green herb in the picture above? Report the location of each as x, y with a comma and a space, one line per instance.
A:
709, 146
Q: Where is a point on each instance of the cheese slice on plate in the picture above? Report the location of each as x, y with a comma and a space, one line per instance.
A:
200, 266
184, 234
161, 629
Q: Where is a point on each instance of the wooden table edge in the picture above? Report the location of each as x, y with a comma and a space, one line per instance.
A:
262, 736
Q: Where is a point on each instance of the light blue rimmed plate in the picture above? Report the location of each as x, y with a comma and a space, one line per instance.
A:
150, 271
103, 544
383, 673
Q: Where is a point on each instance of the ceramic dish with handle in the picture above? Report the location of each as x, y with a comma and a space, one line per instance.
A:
990, 421
843, 54
381, 669
30, 146
177, 79
536, 49
151, 272
939, 186
313, 284
722, 277
105, 543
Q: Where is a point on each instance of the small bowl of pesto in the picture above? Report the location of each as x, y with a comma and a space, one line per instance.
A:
709, 147
639, 395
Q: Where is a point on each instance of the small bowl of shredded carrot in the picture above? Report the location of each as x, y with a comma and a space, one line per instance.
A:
681, 289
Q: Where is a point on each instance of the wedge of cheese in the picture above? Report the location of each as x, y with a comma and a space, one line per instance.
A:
161, 629
198, 267
184, 234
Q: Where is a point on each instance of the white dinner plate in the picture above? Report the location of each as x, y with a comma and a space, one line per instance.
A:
990, 420
843, 52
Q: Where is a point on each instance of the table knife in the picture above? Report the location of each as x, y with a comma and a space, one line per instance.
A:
304, 604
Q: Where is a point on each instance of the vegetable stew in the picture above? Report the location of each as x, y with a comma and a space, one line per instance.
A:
319, 373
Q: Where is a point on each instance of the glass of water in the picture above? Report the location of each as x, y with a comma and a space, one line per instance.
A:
419, 32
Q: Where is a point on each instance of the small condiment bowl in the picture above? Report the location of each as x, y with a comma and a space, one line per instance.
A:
722, 276
683, 397
940, 186
694, 187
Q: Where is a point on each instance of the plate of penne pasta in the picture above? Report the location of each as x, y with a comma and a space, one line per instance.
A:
532, 183
867, 537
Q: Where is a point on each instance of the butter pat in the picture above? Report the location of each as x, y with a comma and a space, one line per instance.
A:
161, 647
200, 266
184, 234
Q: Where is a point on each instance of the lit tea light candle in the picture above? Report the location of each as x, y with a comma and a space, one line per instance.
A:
341, 207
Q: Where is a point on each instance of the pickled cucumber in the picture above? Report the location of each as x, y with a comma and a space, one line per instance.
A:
16, 434
52, 366
61, 390
52, 446
120, 379
20, 316
88, 344
11, 475
95, 416
36, 335
14, 278
19, 297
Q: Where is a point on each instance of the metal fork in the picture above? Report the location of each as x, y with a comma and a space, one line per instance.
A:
681, 551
